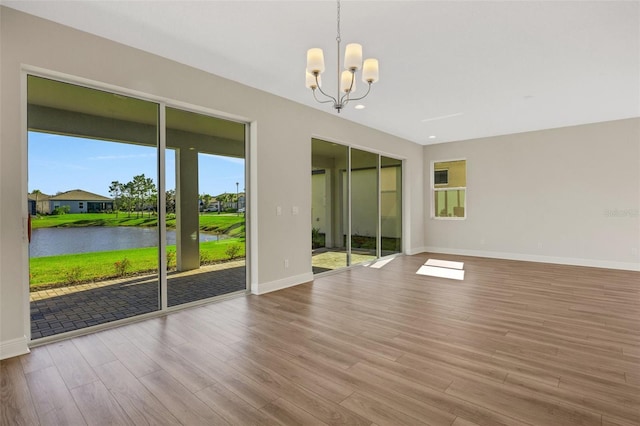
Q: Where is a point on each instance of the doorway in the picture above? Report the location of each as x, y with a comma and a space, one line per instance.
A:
120, 209
356, 206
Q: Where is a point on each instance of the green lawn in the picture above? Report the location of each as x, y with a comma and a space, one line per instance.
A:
86, 267
96, 266
226, 223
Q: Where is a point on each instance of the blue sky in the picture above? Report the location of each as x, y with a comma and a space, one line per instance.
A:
62, 163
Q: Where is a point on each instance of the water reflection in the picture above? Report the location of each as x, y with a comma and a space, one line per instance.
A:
56, 241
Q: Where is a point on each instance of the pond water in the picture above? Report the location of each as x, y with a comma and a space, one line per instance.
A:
55, 241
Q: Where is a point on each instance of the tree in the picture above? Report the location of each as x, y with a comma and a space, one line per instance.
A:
170, 200
138, 194
225, 199
206, 201
128, 194
37, 192
139, 185
115, 189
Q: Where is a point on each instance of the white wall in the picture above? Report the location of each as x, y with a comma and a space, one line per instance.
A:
282, 152
568, 195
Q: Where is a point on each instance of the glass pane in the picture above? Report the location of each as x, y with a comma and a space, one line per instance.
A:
92, 183
450, 174
390, 205
329, 208
449, 203
205, 169
364, 206
449, 182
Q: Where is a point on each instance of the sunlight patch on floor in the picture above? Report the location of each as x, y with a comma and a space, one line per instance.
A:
380, 263
442, 269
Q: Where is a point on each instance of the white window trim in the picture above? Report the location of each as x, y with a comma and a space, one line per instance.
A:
434, 189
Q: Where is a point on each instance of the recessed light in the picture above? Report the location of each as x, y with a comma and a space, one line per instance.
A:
432, 137
360, 106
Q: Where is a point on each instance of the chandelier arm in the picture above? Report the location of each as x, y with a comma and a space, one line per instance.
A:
363, 96
333, 101
346, 97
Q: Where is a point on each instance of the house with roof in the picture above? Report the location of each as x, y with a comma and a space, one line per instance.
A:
38, 203
80, 201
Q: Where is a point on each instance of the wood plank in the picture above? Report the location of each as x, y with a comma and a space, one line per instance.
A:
530, 407
186, 373
582, 399
289, 414
17, 405
459, 421
98, 406
94, 351
233, 408
127, 353
52, 400
138, 402
378, 411
72, 366
37, 359
317, 406
251, 391
180, 402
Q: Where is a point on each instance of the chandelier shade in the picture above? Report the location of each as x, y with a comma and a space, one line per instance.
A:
347, 79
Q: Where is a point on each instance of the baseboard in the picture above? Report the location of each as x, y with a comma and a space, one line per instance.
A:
262, 288
416, 250
14, 347
593, 263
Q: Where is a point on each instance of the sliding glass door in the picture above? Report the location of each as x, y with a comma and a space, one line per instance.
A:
113, 180
390, 206
206, 226
329, 209
93, 175
364, 206
356, 206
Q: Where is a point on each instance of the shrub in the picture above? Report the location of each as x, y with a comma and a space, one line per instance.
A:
73, 275
171, 259
233, 251
121, 267
60, 210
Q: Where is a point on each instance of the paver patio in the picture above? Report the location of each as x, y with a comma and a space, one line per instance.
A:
66, 309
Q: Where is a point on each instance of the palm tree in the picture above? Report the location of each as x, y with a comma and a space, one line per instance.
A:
36, 192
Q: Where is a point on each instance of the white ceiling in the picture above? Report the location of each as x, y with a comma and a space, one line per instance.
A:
452, 69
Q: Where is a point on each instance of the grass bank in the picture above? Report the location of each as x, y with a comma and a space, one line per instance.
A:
69, 269
229, 223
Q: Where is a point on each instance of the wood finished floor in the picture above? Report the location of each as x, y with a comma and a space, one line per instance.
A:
515, 343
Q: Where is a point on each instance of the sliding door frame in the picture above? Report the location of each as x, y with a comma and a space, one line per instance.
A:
163, 103
404, 199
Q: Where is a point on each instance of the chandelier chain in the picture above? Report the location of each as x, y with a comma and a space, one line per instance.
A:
338, 38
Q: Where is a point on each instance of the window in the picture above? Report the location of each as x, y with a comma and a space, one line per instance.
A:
449, 189
441, 177
80, 205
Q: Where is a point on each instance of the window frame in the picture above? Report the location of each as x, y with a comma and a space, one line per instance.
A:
438, 188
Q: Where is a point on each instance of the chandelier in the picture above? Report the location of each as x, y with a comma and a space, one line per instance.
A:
352, 64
